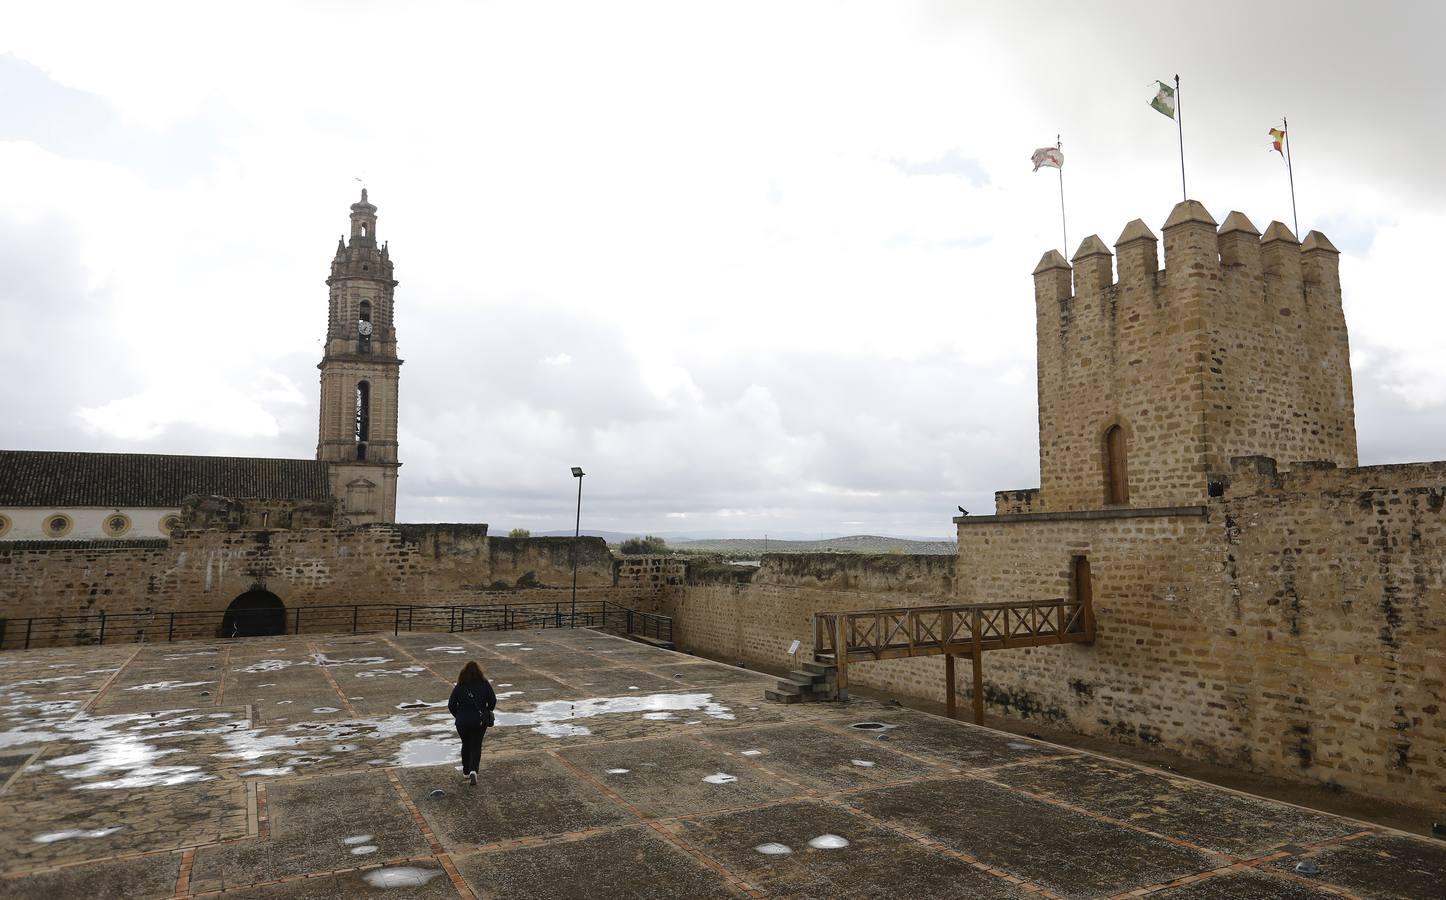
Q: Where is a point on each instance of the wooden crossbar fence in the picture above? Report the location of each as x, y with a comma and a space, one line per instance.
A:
856, 636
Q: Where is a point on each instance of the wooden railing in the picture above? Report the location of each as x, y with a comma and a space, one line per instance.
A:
871, 634
865, 635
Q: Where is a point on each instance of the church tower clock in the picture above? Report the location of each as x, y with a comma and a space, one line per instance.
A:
359, 370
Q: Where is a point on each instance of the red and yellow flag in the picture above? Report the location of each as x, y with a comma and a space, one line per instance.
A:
1277, 135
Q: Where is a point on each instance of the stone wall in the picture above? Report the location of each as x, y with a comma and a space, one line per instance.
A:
206, 570
651, 571
1296, 626
547, 561
750, 615
1238, 346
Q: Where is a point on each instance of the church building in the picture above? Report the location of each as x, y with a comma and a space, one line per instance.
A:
58, 495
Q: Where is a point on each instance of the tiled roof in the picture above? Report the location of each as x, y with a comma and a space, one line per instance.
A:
57, 479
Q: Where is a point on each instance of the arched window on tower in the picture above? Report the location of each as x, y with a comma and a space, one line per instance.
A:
363, 229
363, 417
364, 327
1117, 478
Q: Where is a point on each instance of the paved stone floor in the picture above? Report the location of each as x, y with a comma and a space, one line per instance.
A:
324, 767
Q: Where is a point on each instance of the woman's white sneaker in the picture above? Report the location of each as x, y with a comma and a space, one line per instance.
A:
472, 778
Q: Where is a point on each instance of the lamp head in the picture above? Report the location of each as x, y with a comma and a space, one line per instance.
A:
577, 472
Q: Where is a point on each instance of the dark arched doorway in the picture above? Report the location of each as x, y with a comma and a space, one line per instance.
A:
254, 613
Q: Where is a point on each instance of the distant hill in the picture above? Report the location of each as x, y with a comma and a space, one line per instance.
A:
752, 548
612, 537
855, 543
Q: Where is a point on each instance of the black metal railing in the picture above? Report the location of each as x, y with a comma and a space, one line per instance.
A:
603, 615
355, 618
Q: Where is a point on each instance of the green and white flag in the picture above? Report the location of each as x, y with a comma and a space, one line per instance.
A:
1164, 100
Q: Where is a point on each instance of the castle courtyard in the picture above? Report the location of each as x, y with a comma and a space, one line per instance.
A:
323, 766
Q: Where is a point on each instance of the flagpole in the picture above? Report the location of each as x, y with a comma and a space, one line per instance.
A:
1180, 127
1295, 219
1063, 227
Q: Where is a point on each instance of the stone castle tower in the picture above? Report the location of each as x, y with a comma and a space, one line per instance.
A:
1150, 384
359, 373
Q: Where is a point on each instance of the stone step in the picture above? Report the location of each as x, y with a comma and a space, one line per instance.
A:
809, 677
790, 687
819, 668
776, 697
803, 681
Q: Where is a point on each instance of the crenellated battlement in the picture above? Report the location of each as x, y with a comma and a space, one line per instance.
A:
1236, 346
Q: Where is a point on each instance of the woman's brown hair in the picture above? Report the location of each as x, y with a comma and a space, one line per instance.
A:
471, 674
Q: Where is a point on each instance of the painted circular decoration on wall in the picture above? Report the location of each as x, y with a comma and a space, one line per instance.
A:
58, 525
4, 525
117, 524
170, 525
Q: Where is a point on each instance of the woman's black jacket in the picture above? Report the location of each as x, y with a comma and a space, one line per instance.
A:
472, 703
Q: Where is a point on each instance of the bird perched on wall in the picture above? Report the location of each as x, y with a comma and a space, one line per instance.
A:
963, 511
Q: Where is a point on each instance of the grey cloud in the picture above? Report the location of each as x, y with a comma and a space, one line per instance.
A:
953, 163
889, 443
78, 125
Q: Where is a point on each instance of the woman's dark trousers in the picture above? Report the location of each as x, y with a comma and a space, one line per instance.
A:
471, 736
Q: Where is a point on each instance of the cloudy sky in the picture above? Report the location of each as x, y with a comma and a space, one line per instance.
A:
758, 267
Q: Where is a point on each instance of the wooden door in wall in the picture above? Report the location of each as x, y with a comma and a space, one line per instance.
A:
1080, 588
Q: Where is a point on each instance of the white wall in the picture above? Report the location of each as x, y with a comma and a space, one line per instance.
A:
88, 523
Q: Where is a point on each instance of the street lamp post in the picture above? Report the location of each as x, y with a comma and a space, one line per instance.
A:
577, 473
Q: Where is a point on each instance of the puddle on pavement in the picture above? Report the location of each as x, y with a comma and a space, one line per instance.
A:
273, 772
772, 849
167, 685
325, 709
131, 761
404, 672
321, 659
862, 763
51, 837
828, 842
720, 778
872, 726
400, 876
34, 681
425, 752
268, 665
1019, 745
616, 771
752, 752
548, 717
363, 850
421, 704
446, 650
356, 839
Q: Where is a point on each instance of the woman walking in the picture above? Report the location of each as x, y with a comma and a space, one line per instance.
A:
471, 705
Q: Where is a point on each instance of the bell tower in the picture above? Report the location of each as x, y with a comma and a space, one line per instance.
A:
359, 371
